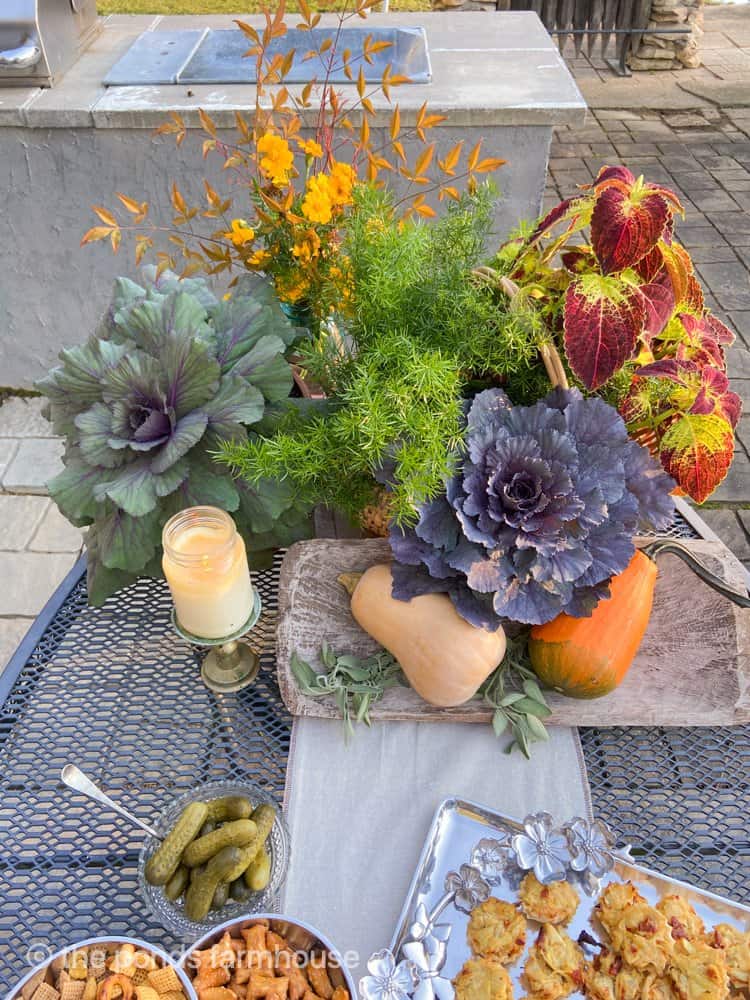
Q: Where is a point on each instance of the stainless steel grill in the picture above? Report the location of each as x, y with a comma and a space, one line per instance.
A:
41, 39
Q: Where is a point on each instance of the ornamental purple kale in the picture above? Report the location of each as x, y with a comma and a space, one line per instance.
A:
540, 516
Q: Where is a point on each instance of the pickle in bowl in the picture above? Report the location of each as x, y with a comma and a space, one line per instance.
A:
225, 850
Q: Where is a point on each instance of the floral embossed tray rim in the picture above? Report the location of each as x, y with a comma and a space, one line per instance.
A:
438, 858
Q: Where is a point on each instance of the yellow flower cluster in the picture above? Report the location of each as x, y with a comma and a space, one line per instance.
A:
241, 233
308, 248
326, 193
276, 158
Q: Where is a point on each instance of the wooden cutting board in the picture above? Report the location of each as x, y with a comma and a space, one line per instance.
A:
693, 667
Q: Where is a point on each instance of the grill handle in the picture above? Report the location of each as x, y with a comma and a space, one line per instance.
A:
24, 56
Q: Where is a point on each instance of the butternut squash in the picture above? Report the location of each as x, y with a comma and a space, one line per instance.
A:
445, 659
589, 657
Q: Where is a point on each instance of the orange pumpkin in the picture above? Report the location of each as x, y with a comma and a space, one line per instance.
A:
589, 657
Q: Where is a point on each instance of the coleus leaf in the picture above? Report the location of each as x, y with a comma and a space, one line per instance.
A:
603, 320
703, 389
626, 225
679, 266
567, 209
697, 451
625, 180
658, 305
650, 265
701, 340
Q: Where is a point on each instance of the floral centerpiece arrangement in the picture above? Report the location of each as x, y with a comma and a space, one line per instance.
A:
510, 418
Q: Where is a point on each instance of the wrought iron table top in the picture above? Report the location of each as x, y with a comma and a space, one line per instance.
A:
115, 691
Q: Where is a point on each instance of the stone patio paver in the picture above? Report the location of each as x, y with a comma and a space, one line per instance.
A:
37, 545
36, 461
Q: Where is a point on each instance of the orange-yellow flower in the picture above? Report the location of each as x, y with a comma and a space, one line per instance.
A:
317, 205
241, 233
307, 248
311, 148
290, 290
342, 178
258, 260
276, 158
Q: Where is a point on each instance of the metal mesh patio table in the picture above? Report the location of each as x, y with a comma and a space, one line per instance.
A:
115, 691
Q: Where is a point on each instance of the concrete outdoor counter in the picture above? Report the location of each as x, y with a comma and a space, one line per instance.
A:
496, 76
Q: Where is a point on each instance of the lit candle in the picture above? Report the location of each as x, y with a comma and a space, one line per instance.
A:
205, 564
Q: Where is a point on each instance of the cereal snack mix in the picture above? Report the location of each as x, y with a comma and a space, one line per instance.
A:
497, 930
107, 971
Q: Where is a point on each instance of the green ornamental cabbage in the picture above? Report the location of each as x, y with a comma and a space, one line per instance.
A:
170, 375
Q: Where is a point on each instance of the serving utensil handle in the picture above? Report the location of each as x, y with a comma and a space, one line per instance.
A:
74, 778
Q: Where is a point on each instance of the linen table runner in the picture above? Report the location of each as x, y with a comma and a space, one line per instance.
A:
359, 812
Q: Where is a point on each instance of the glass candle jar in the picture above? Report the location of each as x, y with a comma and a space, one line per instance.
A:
205, 564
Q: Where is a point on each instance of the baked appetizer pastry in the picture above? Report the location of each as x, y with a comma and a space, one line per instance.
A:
497, 930
681, 917
483, 979
643, 939
555, 903
698, 971
554, 967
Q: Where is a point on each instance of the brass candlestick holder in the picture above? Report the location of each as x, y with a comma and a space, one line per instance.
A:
231, 664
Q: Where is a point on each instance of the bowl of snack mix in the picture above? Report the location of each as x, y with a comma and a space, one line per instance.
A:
106, 968
269, 955
224, 852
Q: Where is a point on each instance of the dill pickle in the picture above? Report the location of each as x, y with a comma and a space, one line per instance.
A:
221, 895
208, 827
263, 817
238, 890
258, 875
229, 807
200, 895
163, 863
177, 884
235, 834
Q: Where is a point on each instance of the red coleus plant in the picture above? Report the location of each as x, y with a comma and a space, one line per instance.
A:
626, 305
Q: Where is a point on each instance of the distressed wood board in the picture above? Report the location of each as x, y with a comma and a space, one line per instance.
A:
693, 667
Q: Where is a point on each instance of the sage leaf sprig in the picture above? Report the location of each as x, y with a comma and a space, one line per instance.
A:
513, 691
354, 683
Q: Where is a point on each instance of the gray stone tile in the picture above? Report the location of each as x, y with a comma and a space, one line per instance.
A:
734, 225
12, 630
56, 534
712, 255
738, 361
21, 416
36, 462
736, 486
20, 516
740, 323
29, 580
729, 283
699, 236
716, 201
8, 447
730, 530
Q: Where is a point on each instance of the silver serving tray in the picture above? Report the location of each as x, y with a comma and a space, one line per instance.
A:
457, 828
